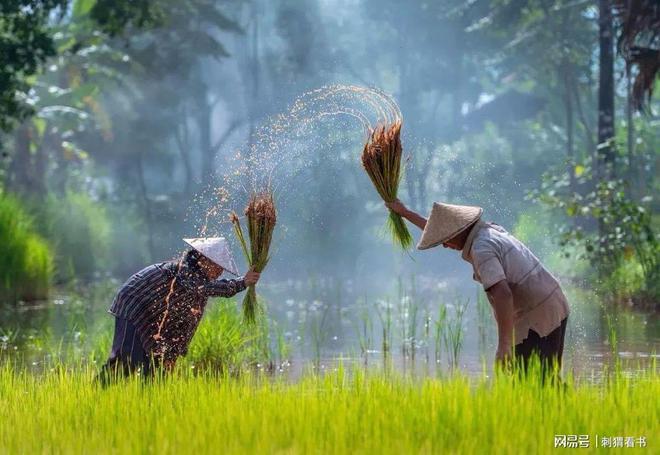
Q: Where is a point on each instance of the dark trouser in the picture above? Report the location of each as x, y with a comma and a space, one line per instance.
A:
126, 356
549, 349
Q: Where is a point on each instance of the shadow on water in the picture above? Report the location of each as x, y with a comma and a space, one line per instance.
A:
323, 323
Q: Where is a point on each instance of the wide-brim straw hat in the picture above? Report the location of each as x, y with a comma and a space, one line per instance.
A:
216, 249
447, 221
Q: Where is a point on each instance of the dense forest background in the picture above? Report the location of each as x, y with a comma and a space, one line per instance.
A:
117, 115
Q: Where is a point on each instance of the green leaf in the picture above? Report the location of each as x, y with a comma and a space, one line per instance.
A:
82, 7
579, 170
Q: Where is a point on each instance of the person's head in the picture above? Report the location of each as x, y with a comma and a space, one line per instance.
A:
207, 266
212, 255
458, 241
449, 225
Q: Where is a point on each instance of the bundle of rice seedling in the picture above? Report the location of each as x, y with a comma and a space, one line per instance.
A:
381, 159
261, 218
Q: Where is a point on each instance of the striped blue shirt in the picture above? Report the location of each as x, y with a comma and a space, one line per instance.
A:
166, 302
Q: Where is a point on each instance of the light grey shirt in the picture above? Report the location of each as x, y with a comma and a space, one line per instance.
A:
538, 301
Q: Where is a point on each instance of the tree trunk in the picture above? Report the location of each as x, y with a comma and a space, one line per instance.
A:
606, 92
606, 151
588, 129
570, 148
632, 186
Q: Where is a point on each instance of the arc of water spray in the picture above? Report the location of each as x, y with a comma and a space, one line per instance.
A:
268, 146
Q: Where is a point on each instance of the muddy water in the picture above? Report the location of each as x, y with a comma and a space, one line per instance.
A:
324, 323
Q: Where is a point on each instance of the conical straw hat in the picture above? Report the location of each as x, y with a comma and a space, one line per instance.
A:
217, 250
447, 221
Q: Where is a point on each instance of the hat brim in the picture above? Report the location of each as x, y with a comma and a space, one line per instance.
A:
227, 265
449, 237
427, 241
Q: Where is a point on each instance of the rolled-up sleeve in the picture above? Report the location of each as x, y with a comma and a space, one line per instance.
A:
487, 264
224, 288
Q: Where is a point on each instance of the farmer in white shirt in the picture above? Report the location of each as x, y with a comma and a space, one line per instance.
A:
529, 306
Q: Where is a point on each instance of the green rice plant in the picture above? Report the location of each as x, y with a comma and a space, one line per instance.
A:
283, 346
263, 344
408, 320
338, 299
99, 345
413, 312
439, 334
482, 309
402, 314
412, 331
454, 332
364, 329
381, 159
26, 262
483, 313
427, 330
343, 412
384, 312
612, 340
223, 342
611, 335
318, 329
8, 336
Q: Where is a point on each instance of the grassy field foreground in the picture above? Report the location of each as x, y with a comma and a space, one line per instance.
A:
63, 412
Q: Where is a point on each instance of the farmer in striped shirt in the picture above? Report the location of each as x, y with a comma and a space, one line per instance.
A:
159, 308
529, 306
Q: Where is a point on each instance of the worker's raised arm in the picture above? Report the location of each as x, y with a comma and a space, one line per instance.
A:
224, 287
415, 218
230, 287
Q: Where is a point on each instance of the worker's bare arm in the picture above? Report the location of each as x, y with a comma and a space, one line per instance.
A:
415, 218
501, 298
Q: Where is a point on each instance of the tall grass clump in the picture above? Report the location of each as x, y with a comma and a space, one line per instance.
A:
223, 343
26, 262
80, 230
261, 219
381, 159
